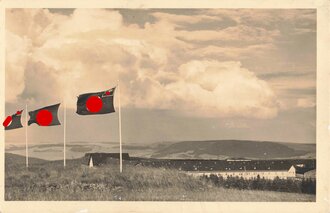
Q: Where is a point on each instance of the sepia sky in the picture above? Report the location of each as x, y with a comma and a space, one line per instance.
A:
185, 74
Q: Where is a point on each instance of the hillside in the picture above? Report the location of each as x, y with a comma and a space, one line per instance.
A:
233, 149
50, 181
13, 159
216, 149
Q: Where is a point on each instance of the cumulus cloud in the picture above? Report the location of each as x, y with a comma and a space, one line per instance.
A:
205, 88
16, 60
62, 56
239, 33
210, 86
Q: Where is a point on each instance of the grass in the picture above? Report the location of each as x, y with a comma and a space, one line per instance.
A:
49, 181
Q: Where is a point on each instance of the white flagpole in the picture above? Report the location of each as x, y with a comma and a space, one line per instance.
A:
120, 149
64, 137
26, 137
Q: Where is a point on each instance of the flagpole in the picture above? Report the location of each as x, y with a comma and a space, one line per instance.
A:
64, 137
120, 148
26, 138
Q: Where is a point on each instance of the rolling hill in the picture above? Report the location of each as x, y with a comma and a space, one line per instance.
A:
19, 160
215, 149
222, 149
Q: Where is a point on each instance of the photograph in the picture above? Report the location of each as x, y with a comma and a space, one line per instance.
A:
160, 104
136, 106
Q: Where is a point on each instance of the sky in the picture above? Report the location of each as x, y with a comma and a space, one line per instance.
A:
184, 74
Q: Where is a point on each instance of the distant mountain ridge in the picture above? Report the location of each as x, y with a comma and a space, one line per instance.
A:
210, 149
235, 149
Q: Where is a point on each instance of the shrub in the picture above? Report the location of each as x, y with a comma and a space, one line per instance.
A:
282, 185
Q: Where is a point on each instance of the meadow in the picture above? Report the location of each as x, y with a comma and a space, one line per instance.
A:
48, 180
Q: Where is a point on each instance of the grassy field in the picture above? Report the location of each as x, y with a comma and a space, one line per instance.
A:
50, 181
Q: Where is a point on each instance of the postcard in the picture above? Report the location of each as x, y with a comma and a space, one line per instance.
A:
156, 107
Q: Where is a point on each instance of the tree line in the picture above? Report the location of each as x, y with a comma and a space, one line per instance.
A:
281, 185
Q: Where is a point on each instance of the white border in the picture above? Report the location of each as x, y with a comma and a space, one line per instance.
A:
322, 203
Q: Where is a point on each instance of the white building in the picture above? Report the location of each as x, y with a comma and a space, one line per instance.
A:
294, 171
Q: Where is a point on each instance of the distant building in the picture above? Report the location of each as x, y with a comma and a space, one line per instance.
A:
98, 159
302, 171
246, 168
270, 172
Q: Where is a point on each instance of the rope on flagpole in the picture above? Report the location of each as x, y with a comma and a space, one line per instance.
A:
26, 138
120, 142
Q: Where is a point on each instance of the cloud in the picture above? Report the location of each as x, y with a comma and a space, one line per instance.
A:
32, 24
16, 59
178, 20
160, 64
208, 87
239, 33
213, 51
204, 88
42, 82
267, 18
86, 20
293, 87
285, 74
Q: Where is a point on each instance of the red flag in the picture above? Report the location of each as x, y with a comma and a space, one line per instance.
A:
13, 121
46, 116
96, 103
